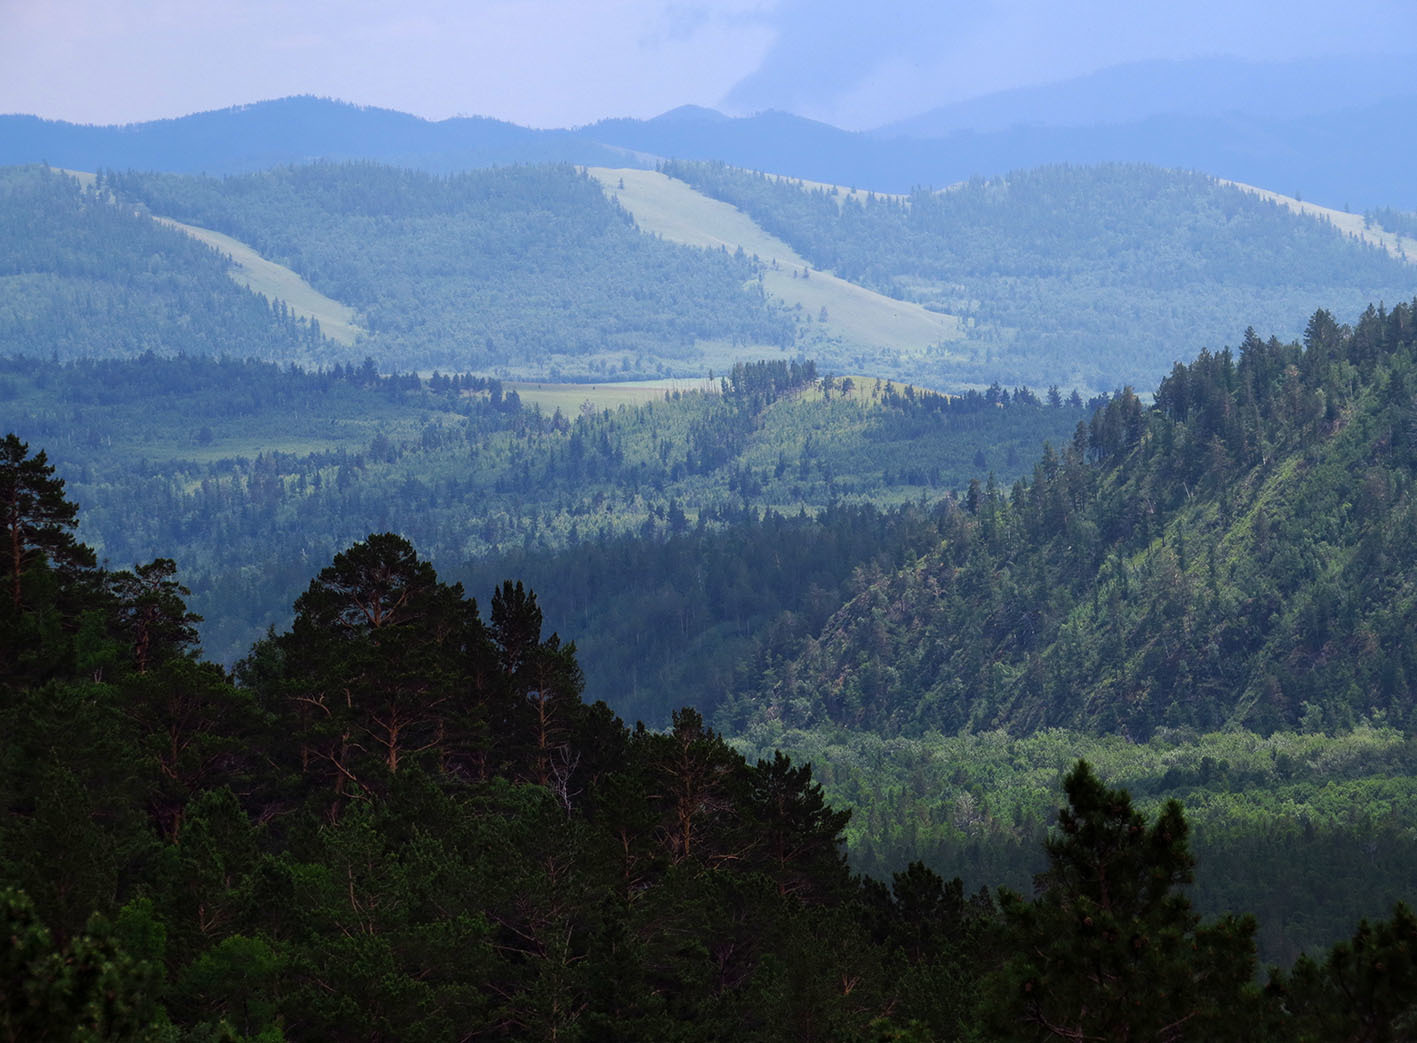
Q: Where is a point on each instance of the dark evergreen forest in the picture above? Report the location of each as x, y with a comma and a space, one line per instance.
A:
843, 630
398, 820
673, 533
869, 635
1237, 553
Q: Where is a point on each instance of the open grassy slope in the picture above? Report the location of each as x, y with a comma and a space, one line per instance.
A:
857, 319
261, 275
1090, 276
337, 321
1403, 247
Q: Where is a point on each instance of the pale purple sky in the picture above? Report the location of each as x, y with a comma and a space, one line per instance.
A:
555, 63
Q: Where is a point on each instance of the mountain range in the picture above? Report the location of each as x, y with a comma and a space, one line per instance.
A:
1324, 129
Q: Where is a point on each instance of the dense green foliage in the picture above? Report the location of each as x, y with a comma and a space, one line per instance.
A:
1074, 275
518, 269
650, 527
404, 823
1310, 832
1240, 552
1110, 948
82, 276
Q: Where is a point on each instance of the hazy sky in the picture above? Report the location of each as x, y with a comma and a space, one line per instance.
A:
553, 63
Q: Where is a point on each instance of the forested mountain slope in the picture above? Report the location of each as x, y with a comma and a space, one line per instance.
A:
842, 324
1242, 551
1080, 277
518, 270
83, 277
248, 473
401, 821
1086, 276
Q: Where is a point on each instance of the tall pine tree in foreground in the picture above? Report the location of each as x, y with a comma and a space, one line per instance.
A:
42, 566
1110, 947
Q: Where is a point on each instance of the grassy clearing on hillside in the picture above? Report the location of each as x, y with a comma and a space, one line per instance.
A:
250, 269
665, 207
276, 282
570, 398
1404, 248
856, 318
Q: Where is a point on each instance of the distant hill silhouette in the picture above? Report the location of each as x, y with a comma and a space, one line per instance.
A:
1330, 131
290, 130
1136, 91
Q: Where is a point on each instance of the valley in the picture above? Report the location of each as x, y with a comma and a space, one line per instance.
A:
686, 600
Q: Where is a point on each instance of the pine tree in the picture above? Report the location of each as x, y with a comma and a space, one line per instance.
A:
1366, 988
38, 520
1111, 949
49, 577
375, 667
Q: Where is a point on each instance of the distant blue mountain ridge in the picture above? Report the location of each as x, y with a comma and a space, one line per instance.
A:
1197, 87
1333, 131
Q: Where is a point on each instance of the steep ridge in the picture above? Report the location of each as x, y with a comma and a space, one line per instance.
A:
845, 314
1242, 551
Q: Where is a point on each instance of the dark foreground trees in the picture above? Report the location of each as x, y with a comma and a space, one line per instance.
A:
1110, 948
42, 565
404, 824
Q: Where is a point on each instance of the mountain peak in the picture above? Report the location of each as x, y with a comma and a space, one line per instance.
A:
691, 114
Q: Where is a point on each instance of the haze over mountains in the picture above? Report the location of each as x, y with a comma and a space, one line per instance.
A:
916, 452
1323, 128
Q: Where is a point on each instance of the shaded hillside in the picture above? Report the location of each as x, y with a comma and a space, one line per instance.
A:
527, 269
81, 276
401, 821
1088, 275
247, 473
1243, 551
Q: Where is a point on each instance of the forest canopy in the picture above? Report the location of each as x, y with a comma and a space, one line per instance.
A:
401, 821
